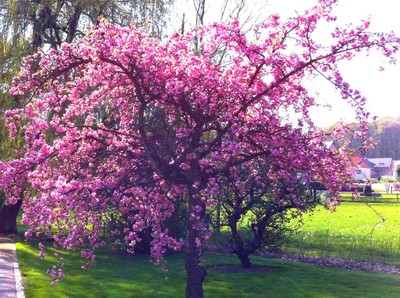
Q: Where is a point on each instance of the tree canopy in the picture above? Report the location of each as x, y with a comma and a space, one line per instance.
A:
138, 123
26, 26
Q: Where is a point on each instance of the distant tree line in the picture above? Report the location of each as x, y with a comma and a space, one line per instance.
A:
386, 135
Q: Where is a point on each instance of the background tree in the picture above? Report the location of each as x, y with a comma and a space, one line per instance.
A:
217, 118
385, 133
11, 55
26, 26
258, 210
52, 22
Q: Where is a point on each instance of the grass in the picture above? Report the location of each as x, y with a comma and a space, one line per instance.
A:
112, 276
355, 231
135, 276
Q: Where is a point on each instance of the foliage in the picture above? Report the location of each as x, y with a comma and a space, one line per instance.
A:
52, 22
101, 99
29, 25
26, 26
11, 55
248, 195
386, 133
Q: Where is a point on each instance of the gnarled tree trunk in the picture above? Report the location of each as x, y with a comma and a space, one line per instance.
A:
8, 218
245, 260
195, 271
240, 250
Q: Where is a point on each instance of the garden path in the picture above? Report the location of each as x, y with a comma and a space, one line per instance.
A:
10, 276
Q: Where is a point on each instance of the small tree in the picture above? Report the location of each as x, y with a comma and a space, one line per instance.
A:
258, 209
99, 97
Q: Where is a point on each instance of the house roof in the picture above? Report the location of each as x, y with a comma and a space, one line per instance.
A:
330, 145
361, 161
381, 162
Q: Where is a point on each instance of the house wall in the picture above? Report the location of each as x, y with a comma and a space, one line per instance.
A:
375, 173
362, 174
383, 167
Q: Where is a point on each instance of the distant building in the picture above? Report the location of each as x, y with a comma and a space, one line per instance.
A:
362, 168
382, 167
331, 145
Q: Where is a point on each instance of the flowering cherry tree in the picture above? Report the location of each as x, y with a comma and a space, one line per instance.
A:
121, 123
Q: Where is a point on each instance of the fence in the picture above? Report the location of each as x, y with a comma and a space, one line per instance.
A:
373, 197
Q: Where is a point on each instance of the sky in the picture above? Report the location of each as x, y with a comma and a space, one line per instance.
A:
380, 88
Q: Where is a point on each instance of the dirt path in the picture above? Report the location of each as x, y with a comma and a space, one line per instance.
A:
10, 276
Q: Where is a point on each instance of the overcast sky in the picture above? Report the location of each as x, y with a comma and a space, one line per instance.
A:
380, 88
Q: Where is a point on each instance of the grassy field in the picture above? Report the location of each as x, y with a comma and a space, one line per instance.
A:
134, 276
360, 231
354, 231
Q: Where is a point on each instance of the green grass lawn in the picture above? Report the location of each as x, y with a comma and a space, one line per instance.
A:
135, 276
354, 231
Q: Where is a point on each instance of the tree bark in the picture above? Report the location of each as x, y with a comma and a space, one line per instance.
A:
195, 271
8, 218
218, 224
245, 260
240, 250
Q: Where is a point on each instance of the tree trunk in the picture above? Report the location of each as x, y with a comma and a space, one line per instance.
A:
8, 218
240, 250
245, 260
218, 224
195, 272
